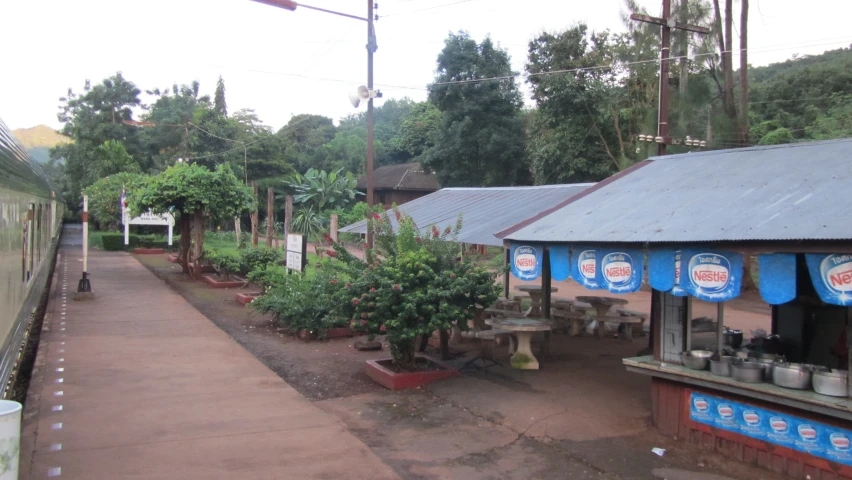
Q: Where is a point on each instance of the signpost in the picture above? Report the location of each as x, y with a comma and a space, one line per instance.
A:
147, 218
297, 252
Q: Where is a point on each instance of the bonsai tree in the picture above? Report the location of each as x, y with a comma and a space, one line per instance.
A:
192, 193
413, 286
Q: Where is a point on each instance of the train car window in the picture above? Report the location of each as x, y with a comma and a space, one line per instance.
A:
30, 240
38, 233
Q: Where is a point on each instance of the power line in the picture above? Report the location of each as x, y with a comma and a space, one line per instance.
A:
244, 145
424, 9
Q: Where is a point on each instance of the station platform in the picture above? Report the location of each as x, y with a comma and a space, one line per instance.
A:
137, 384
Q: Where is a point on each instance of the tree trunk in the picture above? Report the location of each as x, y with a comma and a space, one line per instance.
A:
744, 140
727, 56
445, 344
270, 216
403, 354
197, 244
185, 241
238, 231
748, 280
254, 218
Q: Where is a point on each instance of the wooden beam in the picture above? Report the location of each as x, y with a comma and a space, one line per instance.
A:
270, 215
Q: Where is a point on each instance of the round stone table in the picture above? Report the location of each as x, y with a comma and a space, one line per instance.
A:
524, 328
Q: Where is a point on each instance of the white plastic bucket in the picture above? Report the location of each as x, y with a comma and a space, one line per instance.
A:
10, 439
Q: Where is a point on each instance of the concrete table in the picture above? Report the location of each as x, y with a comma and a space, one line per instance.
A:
536, 292
602, 304
524, 328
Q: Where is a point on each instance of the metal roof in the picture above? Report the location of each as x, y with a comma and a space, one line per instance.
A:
485, 211
403, 176
784, 192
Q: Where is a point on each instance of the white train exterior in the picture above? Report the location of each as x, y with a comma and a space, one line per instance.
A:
30, 224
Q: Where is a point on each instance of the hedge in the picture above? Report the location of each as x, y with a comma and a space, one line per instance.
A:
114, 242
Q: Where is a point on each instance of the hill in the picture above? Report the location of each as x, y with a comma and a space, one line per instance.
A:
39, 140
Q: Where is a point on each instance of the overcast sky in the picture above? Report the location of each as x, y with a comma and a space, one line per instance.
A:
282, 63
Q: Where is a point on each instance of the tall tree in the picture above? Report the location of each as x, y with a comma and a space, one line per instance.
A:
481, 138
302, 136
219, 105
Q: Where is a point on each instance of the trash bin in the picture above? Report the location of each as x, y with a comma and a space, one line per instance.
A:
10, 439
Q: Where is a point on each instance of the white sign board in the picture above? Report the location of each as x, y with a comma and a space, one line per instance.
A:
296, 247
146, 218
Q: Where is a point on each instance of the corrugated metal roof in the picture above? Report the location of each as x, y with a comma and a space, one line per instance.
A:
485, 211
402, 176
785, 192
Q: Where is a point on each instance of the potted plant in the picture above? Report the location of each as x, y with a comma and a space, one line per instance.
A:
414, 285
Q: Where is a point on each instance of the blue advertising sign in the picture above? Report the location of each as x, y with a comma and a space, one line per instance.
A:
620, 271
832, 277
837, 448
584, 266
526, 262
777, 277
560, 262
661, 271
712, 276
677, 290
813, 438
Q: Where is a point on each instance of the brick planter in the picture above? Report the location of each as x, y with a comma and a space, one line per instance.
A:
174, 258
149, 251
246, 298
227, 284
343, 332
380, 372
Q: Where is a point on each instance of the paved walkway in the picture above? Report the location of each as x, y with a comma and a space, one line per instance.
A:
138, 384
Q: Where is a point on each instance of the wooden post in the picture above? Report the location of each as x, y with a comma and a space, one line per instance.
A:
506, 254
333, 228
546, 284
288, 214
270, 215
254, 219
238, 231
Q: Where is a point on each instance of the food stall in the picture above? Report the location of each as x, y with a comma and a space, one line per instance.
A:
685, 225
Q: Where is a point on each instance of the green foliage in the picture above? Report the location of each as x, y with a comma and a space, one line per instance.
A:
104, 196
302, 302
481, 138
114, 242
225, 265
419, 286
187, 189
268, 278
322, 191
308, 222
258, 258
777, 137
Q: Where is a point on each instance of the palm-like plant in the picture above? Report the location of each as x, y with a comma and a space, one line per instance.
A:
323, 191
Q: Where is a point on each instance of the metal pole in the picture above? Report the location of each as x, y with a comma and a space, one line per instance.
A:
720, 327
85, 235
663, 110
371, 47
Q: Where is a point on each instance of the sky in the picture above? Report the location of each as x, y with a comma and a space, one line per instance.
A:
282, 63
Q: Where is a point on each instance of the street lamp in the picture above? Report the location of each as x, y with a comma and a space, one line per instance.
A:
371, 48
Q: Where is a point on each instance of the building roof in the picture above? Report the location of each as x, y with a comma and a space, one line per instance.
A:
784, 192
485, 211
404, 176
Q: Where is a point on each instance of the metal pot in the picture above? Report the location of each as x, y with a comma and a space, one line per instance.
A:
768, 367
733, 338
696, 359
747, 372
791, 375
831, 383
721, 368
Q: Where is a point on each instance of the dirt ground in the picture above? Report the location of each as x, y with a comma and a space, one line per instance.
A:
581, 416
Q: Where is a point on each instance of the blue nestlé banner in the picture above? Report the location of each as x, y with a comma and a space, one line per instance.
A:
661, 273
526, 261
677, 290
584, 266
620, 271
832, 277
560, 262
712, 276
777, 277
814, 438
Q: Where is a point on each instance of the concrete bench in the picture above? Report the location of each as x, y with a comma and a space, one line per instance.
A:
575, 320
626, 321
504, 303
491, 338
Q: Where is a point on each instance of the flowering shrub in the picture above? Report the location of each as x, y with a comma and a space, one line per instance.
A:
413, 285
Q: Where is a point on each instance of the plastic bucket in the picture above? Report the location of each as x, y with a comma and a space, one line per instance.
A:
10, 439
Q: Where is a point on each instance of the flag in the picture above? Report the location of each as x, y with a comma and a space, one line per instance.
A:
123, 201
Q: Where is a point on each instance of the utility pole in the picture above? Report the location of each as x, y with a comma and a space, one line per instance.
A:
666, 23
371, 48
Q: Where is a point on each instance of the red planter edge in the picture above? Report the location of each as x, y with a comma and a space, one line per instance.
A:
401, 381
148, 251
342, 332
217, 284
246, 298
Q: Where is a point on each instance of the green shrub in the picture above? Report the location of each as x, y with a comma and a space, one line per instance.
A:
113, 242
300, 302
224, 264
268, 278
257, 258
